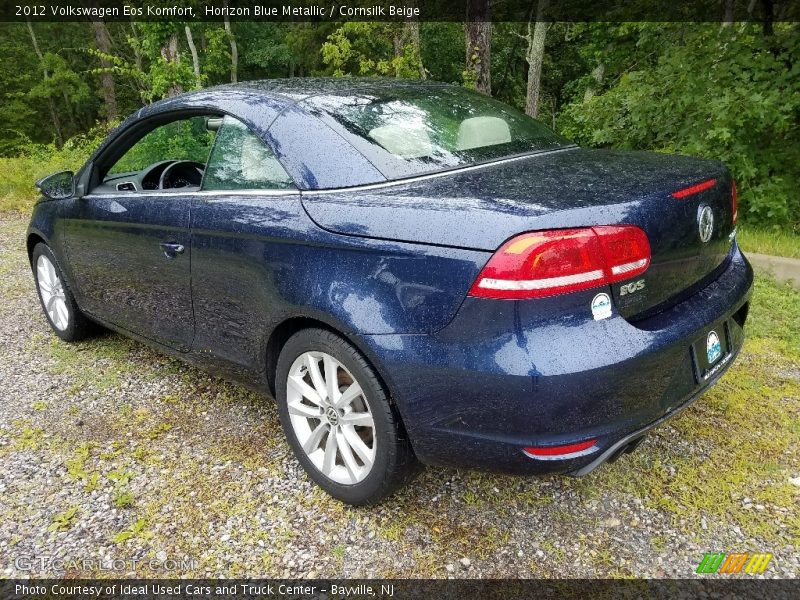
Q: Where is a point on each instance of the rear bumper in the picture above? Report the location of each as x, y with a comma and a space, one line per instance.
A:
630, 441
505, 375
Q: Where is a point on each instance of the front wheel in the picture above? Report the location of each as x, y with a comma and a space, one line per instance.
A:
338, 419
58, 303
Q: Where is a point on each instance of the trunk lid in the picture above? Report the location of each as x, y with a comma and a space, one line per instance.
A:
482, 208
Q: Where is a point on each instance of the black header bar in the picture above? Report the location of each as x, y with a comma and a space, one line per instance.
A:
397, 10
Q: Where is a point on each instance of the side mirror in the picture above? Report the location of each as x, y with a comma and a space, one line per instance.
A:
58, 186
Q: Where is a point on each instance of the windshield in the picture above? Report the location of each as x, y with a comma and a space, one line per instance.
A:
412, 130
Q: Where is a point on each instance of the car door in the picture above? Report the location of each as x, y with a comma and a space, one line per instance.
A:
130, 249
243, 221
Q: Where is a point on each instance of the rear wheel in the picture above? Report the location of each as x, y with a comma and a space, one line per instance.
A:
58, 303
338, 419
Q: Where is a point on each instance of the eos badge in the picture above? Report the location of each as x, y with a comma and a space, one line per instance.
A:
630, 288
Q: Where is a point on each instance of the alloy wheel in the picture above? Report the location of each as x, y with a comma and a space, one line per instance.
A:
331, 417
51, 289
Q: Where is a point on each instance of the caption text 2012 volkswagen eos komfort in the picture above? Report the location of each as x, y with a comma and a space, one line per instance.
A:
415, 271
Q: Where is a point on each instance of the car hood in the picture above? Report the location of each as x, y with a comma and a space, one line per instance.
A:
482, 207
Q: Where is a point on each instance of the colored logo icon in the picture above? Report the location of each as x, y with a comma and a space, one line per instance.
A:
737, 562
713, 347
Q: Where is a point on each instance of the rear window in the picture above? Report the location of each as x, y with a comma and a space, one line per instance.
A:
413, 130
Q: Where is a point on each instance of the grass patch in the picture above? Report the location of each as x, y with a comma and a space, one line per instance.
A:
769, 241
137, 530
76, 466
745, 430
64, 520
17, 191
123, 499
110, 356
775, 315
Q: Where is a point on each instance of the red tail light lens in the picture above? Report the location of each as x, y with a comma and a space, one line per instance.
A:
695, 189
561, 452
734, 201
548, 263
626, 251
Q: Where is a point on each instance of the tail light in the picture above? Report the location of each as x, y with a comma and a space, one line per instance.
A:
548, 263
695, 189
561, 452
734, 202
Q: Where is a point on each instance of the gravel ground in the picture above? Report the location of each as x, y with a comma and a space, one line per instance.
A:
111, 451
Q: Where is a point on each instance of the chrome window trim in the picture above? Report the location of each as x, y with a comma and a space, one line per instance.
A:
211, 193
426, 176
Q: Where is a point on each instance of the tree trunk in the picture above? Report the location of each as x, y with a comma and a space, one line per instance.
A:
398, 42
171, 54
51, 105
137, 57
411, 34
769, 17
597, 73
727, 19
103, 41
478, 36
234, 49
535, 58
193, 50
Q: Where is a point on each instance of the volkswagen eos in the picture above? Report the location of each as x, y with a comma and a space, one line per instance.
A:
416, 272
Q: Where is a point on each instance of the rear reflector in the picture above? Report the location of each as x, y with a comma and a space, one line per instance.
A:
561, 452
695, 189
548, 263
734, 201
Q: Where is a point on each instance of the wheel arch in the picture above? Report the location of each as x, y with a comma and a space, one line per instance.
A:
286, 329
33, 238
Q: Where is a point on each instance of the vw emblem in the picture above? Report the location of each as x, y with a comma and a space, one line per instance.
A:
333, 416
705, 223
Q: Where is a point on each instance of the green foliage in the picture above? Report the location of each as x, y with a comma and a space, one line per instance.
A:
17, 191
123, 499
772, 241
137, 530
64, 520
729, 93
267, 47
469, 76
216, 62
724, 93
442, 49
180, 140
18, 74
361, 48
62, 83
304, 41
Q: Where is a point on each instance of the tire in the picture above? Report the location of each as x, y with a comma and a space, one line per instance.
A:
360, 472
65, 318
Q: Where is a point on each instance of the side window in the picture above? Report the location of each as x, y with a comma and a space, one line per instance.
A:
239, 161
186, 139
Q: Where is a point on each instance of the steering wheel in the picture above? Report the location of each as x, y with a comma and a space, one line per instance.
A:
164, 182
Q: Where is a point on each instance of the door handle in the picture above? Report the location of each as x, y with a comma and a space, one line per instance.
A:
171, 249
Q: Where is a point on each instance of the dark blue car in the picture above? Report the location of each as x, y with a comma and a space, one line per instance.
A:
416, 272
